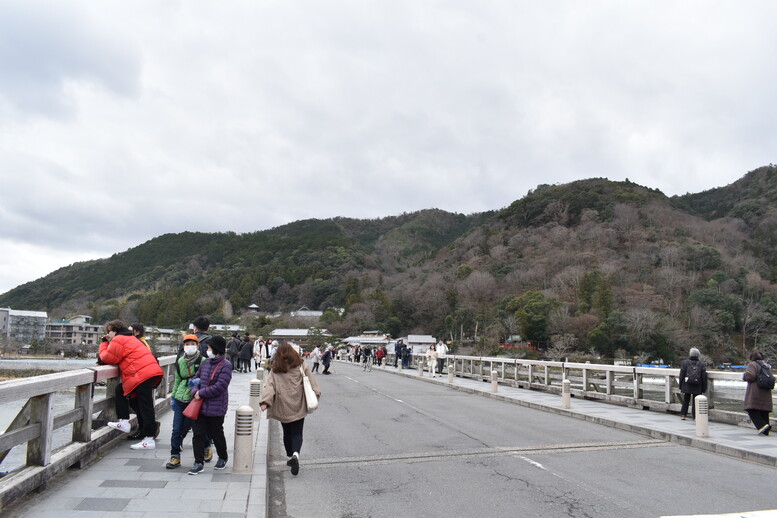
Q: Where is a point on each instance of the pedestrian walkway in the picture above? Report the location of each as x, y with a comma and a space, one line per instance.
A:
127, 483
742, 442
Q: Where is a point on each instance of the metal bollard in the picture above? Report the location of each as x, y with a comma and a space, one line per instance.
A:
702, 417
255, 395
260, 373
244, 440
566, 394
494, 381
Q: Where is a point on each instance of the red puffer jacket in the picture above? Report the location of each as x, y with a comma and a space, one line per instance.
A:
135, 361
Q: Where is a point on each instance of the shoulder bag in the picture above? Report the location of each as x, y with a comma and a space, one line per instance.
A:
310, 396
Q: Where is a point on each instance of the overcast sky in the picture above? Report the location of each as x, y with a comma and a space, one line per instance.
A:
121, 121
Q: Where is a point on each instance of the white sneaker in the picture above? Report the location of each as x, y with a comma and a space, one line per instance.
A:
146, 444
122, 425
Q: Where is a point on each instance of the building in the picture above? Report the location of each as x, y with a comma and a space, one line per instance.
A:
419, 343
23, 327
370, 339
74, 333
223, 329
300, 337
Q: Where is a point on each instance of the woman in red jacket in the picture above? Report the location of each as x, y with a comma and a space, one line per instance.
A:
140, 374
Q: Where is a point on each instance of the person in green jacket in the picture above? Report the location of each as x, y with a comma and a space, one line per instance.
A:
186, 364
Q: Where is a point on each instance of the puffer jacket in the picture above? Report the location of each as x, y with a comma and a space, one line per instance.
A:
214, 392
284, 395
136, 362
183, 373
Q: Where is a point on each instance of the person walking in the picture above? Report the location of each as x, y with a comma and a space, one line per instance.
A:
431, 359
398, 350
233, 348
758, 401
326, 359
214, 376
258, 352
693, 382
316, 357
442, 353
283, 397
140, 375
186, 364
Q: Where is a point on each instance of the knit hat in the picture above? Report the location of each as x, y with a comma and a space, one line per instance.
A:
694, 352
217, 344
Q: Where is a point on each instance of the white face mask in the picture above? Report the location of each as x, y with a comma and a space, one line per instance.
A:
189, 350
210, 354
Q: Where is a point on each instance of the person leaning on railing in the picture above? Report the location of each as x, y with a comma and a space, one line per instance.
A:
140, 374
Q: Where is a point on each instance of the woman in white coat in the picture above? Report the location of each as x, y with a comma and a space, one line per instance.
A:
431, 359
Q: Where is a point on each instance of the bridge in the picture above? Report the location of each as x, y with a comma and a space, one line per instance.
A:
395, 442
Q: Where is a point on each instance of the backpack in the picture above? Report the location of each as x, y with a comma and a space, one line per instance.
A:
765, 379
693, 374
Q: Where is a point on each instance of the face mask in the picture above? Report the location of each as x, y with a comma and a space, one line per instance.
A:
189, 350
210, 354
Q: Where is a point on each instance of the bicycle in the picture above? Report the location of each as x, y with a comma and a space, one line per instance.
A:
367, 364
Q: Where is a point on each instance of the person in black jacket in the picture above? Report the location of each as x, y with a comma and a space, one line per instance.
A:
246, 351
233, 348
693, 381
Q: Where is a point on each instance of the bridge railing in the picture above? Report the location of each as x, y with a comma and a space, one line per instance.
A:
37, 422
638, 387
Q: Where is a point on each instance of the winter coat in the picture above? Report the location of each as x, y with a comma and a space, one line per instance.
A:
756, 398
136, 363
316, 355
215, 392
183, 373
246, 350
284, 395
259, 349
233, 347
327, 358
442, 350
687, 388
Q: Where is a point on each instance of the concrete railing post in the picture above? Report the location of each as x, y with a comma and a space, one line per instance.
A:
450, 373
260, 373
702, 417
494, 381
254, 396
421, 368
566, 394
243, 459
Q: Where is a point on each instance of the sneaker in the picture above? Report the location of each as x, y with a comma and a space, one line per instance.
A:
288, 462
208, 454
146, 444
220, 464
294, 464
175, 462
198, 467
156, 433
122, 425
764, 430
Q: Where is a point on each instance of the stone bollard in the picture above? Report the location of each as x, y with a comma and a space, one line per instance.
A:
243, 458
450, 374
702, 417
260, 373
494, 381
255, 395
566, 394
421, 369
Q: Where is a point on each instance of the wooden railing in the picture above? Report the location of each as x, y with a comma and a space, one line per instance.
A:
36, 422
637, 387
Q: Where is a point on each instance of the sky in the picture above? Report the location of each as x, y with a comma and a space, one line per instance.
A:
123, 121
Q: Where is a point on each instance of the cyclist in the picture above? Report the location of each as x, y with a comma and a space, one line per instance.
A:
367, 358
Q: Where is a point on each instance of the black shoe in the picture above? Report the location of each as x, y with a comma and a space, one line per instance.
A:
765, 429
288, 462
220, 464
156, 433
294, 464
137, 436
197, 468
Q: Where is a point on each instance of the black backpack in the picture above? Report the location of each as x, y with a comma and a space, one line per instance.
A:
693, 374
765, 379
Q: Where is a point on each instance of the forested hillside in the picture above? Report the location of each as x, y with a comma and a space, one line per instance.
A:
588, 269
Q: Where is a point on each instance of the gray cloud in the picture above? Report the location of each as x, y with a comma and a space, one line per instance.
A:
118, 123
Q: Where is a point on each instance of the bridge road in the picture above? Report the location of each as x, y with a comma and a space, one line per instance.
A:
385, 445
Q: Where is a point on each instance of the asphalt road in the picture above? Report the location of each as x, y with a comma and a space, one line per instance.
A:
384, 446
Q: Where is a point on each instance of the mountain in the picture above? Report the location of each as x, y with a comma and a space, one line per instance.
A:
592, 267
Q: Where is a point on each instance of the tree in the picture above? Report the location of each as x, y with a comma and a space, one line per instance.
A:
533, 310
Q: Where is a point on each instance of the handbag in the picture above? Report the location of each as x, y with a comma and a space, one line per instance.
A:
310, 396
192, 410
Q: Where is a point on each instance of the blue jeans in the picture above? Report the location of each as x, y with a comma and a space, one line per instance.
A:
181, 426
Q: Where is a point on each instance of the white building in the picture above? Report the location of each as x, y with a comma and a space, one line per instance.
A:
370, 339
419, 343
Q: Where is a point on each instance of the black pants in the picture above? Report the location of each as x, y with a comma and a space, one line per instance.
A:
209, 427
142, 402
315, 367
292, 436
326, 368
689, 398
759, 418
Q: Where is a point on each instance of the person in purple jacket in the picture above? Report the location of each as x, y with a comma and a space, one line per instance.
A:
214, 376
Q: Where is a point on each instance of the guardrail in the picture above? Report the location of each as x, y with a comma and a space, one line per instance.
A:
36, 422
637, 387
